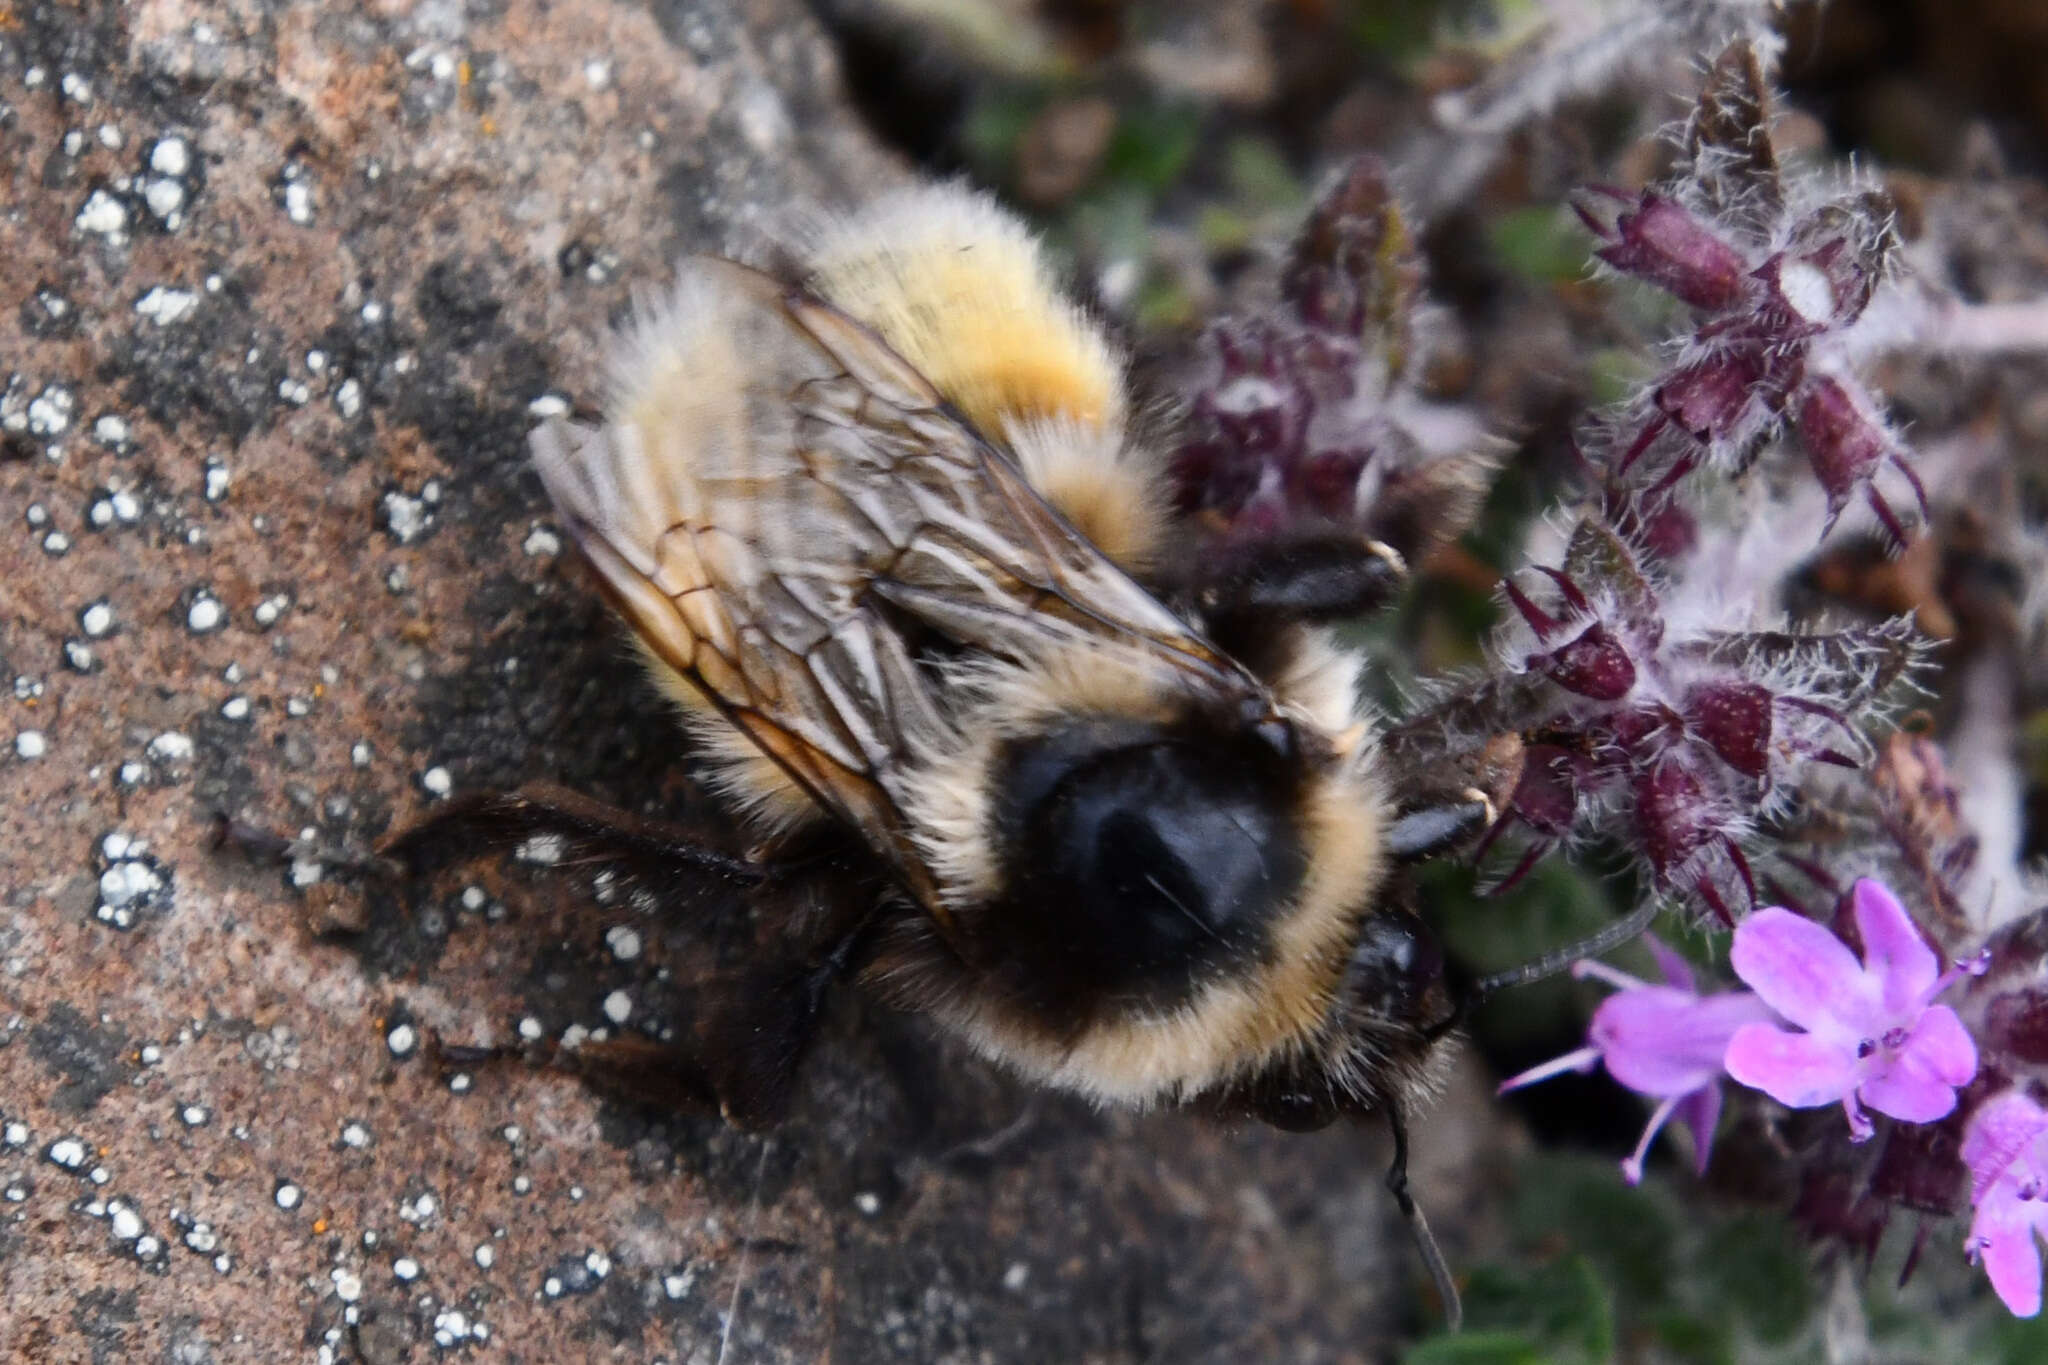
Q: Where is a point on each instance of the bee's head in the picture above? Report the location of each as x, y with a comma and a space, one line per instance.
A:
1150, 899
1142, 860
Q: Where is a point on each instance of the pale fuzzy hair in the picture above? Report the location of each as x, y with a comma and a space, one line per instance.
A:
1319, 682
960, 289
753, 786
680, 363
679, 370
1114, 492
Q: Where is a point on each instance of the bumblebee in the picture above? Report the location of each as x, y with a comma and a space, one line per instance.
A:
887, 527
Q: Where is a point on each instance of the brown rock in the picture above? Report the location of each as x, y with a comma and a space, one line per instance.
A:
284, 286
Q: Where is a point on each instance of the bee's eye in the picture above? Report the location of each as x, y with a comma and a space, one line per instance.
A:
1396, 963
1134, 865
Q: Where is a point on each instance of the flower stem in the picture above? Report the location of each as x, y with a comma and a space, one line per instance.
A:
1983, 328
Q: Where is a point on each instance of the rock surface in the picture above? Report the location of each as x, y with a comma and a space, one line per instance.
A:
285, 285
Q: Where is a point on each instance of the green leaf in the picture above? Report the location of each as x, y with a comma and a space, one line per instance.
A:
1152, 145
1162, 304
993, 126
1597, 556
1111, 222
1559, 902
1689, 1340
1477, 1348
1223, 229
1615, 373
1396, 31
1540, 243
1750, 1266
1260, 178
1628, 1233
2013, 1341
1560, 1309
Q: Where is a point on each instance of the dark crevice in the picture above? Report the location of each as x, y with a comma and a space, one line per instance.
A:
912, 102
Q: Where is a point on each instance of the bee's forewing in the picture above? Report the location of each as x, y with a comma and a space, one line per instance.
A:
777, 494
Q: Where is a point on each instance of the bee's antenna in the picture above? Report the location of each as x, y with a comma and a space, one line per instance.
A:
1550, 964
1560, 959
1418, 1226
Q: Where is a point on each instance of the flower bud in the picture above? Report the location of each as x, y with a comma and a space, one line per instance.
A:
1734, 718
1843, 444
1663, 243
1675, 817
1708, 398
1594, 665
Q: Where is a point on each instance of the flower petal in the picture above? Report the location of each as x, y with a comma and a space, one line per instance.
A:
1906, 1091
1661, 1041
2011, 1259
1677, 971
2000, 1133
1893, 949
1940, 1043
1805, 973
1798, 1069
1700, 1112
1917, 1081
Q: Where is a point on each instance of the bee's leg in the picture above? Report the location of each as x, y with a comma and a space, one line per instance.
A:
586, 830
636, 1069
1430, 830
655, 1074
739, 1058
759, 1025
1624, 930
741, 1048
742, 1056
1418, 1226
268, 848
1326, 577
1471, 994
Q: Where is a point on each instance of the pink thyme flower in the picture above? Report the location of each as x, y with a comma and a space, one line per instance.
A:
1873, 1035
1665, 1041
2006, 1149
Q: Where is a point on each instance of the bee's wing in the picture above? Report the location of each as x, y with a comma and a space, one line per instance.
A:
779, 498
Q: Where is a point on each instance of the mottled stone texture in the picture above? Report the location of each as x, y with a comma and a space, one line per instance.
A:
283, 286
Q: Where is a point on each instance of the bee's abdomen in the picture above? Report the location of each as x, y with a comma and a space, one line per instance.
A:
1141, 862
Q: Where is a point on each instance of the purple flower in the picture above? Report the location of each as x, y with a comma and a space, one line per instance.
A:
1872, 1034
2006, 1149
1308, 416
1681, 742
1660, 241
1776, 283
1664, 1041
